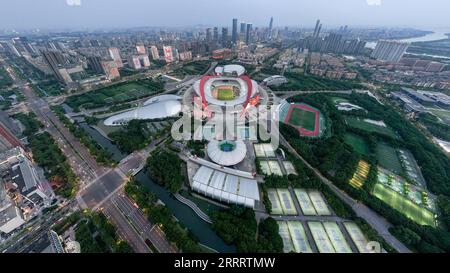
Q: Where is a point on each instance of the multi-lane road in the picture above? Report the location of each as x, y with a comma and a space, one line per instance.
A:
100, 186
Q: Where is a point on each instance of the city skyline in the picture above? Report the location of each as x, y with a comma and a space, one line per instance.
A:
101, 14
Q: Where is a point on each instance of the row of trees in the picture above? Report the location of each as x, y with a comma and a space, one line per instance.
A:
97, 235
101, 155
238, 226
162, 215
166, 168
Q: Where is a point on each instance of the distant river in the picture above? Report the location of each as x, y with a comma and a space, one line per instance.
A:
435, 36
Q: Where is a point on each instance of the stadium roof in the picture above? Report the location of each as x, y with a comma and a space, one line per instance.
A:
226, 158
230, 69
154, 109
226, 187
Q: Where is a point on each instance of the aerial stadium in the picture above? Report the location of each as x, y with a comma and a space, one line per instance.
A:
224, 174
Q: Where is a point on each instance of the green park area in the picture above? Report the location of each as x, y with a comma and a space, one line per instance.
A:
387, 158
357, 142
303, 118
361, 124
297, 81
418, 214
118, 93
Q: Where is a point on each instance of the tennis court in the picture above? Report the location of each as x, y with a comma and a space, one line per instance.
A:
298, 237
289, 167
319, 203
287, 204
357, 236
305, 203
337, 238
270, 167
283, 230
320, 237
276, 205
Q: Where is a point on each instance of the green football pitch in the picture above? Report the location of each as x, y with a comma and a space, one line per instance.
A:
405, 206
225, 94
303, 118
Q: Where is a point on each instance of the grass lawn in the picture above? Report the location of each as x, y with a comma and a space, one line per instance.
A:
416, 213
387, 158
303, 118
369, 127
225, 94
114, 94
357, 142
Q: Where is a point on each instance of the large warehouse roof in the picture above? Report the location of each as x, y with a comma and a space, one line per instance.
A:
154, 110
230, 157
226, 187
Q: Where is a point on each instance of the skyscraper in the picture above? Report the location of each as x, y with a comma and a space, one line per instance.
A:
216, 34
391, 51
248, 34
55, 60
243, 27
154, 52
115, 55
316, 28
209, 34
234, 34
270, 26
224, 35
318, 31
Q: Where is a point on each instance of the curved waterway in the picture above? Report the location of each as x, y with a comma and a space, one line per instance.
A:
183, 213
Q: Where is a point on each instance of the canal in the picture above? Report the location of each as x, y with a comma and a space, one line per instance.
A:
186, 216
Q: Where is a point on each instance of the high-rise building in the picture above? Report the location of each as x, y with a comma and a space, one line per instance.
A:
391, 51
154, 52
145, 61
140, 49
95, 63
186, 56
209, 34
168, 54
243, 27
270, 27
234, 34
55, 61
248, 34
110, 69
216, 34
224, 35
134, 62
114, 53
316, 28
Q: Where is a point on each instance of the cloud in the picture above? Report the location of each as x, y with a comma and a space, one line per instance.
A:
73, 2
373, 2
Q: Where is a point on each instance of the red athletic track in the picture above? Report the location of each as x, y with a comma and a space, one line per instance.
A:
303, 131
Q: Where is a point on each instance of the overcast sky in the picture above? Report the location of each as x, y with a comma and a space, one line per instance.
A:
45, 14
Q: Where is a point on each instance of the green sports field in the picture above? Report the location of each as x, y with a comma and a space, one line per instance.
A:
225, 94
357, 142
405, 206
387, 158
369, 127
303, 118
